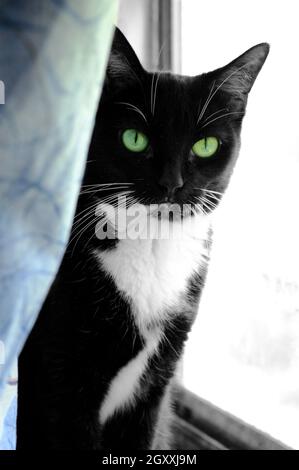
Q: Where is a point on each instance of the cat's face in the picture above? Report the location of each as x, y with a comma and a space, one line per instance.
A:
168, 138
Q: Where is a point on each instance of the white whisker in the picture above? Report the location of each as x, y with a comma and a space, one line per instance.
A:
211, 191
77, 232
216, 112
208, 202
104, 184
222, 116
111, 196
206, 103
155, 93
90, 211
152, 92
218, 88
134, 108
98, 190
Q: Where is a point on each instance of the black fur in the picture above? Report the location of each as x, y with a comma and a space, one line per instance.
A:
85, 331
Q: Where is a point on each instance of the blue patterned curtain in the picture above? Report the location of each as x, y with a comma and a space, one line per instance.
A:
52, 62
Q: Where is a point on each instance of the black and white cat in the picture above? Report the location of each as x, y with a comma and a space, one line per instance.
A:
98, 368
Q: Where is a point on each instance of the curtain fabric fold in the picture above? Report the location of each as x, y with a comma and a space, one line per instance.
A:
52, 63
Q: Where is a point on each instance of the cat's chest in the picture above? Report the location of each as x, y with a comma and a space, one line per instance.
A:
153, 274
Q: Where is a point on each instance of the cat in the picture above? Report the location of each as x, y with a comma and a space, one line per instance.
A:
99, 367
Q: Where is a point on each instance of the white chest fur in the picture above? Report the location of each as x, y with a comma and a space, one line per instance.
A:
153, 273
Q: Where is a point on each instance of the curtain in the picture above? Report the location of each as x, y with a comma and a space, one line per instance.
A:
52, 62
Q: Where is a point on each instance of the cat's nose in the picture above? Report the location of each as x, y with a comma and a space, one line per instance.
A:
171, 182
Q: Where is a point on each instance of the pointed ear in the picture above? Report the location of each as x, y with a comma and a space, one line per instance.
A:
123, 62
238, 76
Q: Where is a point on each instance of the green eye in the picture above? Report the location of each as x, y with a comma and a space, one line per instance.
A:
134, 140
206, 147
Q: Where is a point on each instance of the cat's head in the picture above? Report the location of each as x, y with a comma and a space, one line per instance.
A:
166, 138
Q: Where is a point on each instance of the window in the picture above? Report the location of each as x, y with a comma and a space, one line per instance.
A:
243, 353
245, 344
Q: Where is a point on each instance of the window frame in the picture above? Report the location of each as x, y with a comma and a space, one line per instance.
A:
200, 425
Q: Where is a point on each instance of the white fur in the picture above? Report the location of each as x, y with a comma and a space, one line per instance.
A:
125, 385
152, 274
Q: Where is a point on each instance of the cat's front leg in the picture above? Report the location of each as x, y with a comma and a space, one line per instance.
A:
143, 421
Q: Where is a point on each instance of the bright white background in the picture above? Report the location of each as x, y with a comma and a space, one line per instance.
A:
243, 354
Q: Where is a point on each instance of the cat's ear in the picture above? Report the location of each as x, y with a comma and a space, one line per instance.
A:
123, 62
238, 76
